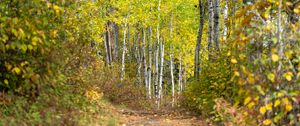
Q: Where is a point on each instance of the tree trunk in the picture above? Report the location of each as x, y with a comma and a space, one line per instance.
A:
180, 76
216, 27
172, 78
116, 40
225, 21
139, 60
156, 71
150, 62
145, 60
210, 26
199, 39
158, 42
161, 69
107, 48
123, 54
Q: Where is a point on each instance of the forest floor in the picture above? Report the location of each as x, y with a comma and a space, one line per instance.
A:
128, 117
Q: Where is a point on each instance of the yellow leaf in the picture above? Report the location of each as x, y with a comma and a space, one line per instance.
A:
247, 100
234, 61
30, 47
277, 102
17, 70
280, 94
271, 77
250, 105
8, 66
275, 57
5, 81
285, 101
262, 110
267, 122
251, 79
236, 73
296, 10
288, 76
269, 106
288, 107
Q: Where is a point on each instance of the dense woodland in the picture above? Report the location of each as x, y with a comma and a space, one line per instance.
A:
234, 62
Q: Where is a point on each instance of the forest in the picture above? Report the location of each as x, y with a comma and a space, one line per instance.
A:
150, 62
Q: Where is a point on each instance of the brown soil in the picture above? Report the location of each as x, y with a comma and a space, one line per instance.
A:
171, 118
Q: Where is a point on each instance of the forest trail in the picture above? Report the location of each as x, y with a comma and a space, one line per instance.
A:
144, 118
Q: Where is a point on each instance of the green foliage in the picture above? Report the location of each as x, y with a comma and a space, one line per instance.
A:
29, 32
214, 82
55, 106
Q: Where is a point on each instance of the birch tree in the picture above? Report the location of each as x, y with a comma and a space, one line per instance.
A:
124, 52
225, 29
145, 60
210, 26
216, 25
172, 78
199, 39
150, 63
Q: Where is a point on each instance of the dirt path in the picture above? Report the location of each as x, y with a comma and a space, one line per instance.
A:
141, 118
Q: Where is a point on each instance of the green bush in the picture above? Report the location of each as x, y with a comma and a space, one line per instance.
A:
214, 82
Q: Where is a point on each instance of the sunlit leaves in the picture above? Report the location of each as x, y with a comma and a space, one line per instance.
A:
233, 60
271, 77
267, 122
275, 57
288, 76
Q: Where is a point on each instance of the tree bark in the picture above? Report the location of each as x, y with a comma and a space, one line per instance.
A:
156, 70
216, 26
145, 60
210, 27
172, 78
225, 21
161, 70
150, 62
199, 39
123, 54
116, 40
107, 48
180, 76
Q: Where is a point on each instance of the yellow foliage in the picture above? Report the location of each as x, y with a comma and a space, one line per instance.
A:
17, 70
288, 76
93, 95
262, 110
288, 107
5, 81
271, 77
247, 100
251, 79
277, 102
251, 105
275, 57
267, 122
269, 106
234, 61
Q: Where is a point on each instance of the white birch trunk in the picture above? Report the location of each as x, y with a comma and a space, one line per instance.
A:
123, 54
161, 70
150, 63
180, 77
158, 42
145, 60
139, 59
172, 79
225, 20
156, 70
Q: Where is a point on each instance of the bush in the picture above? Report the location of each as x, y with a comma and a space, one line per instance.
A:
214, 82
